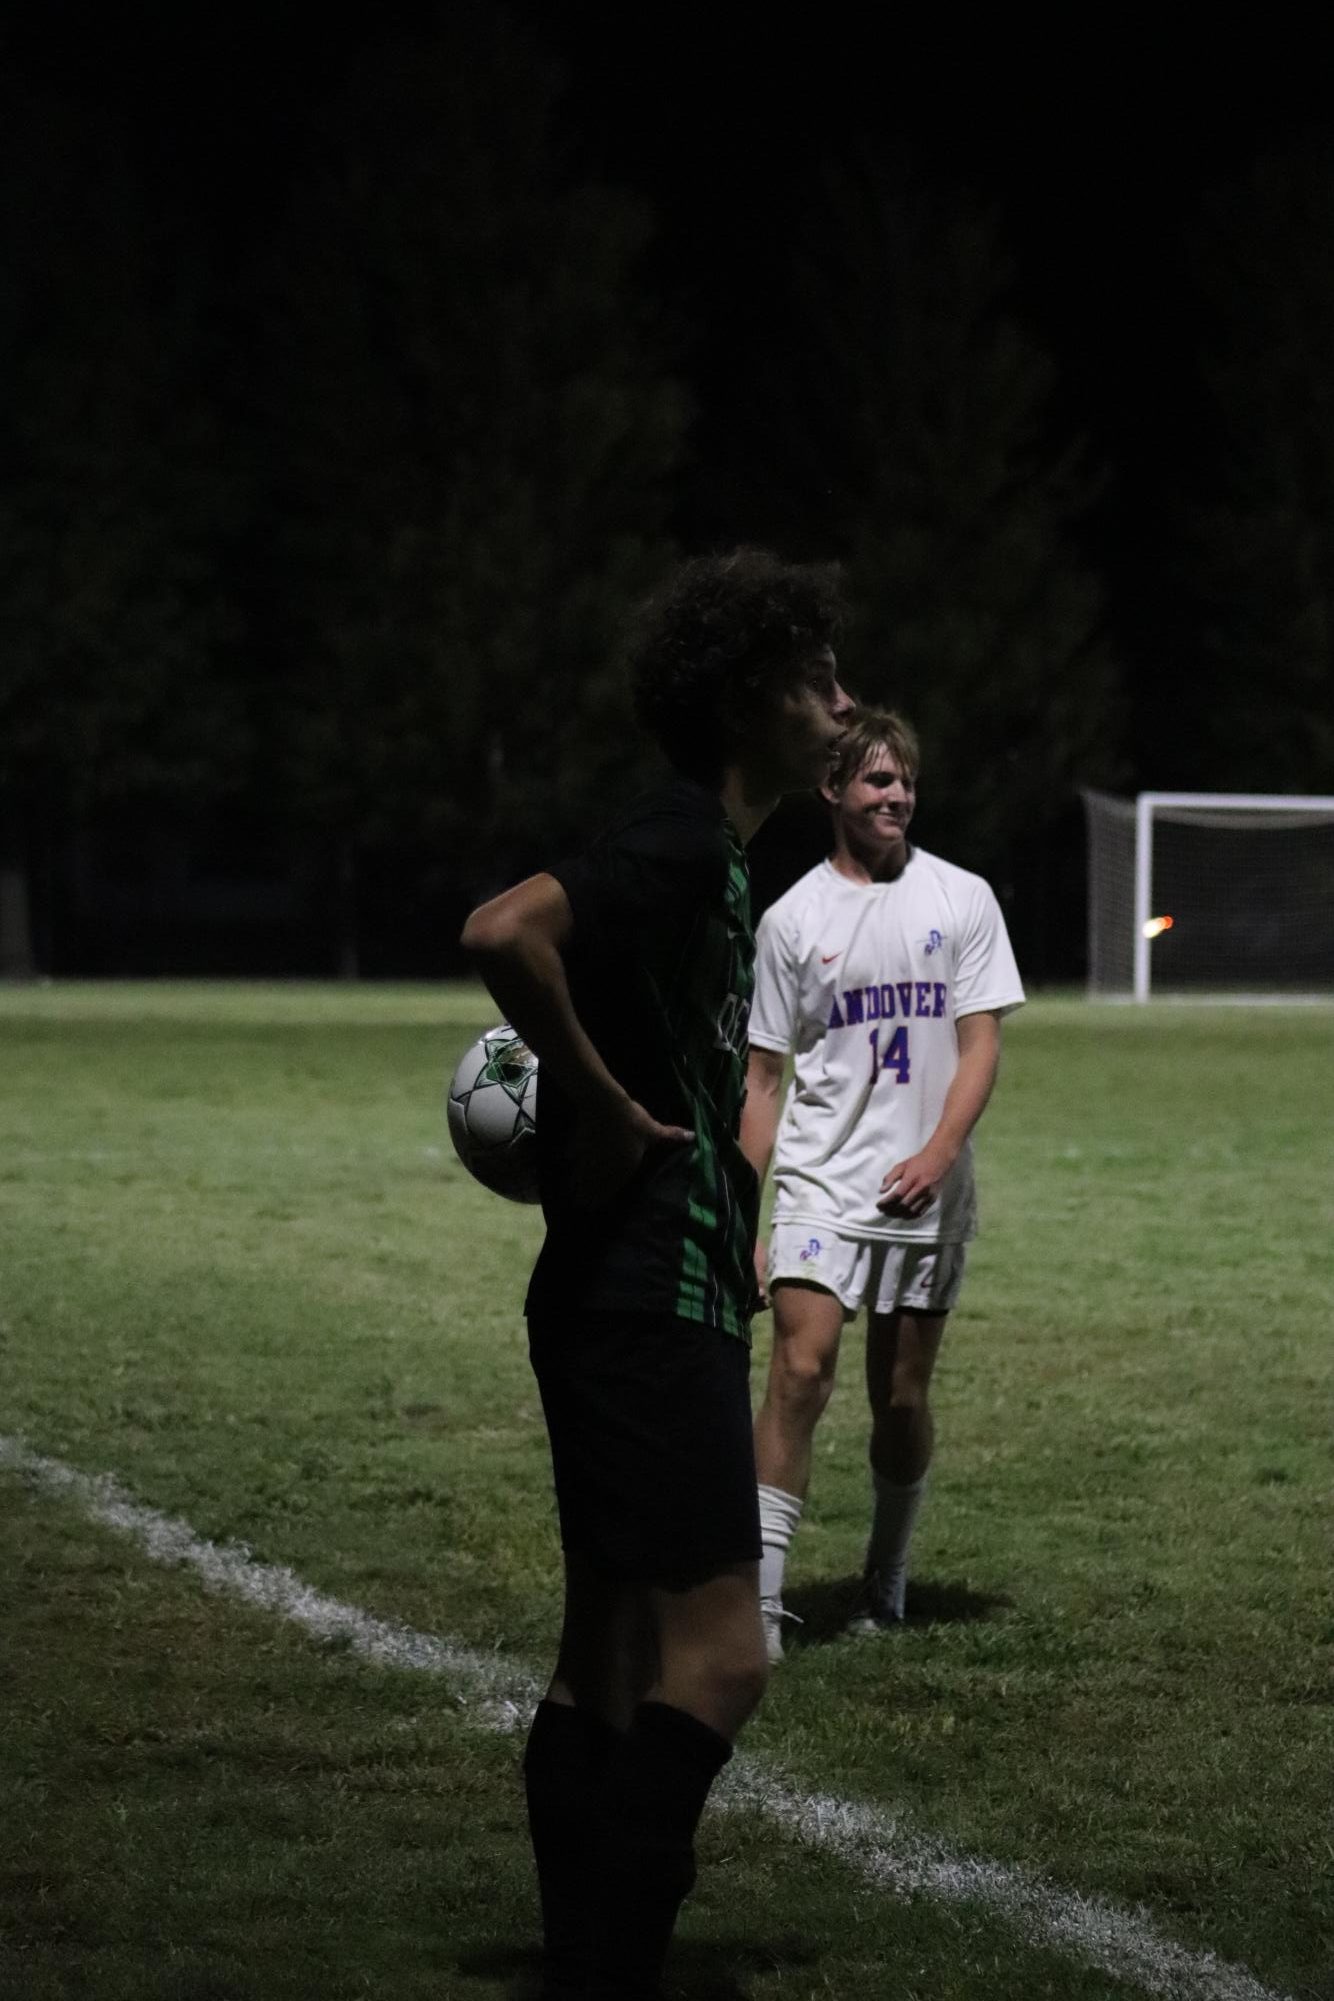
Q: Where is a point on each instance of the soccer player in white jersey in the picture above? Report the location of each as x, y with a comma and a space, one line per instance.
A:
885, 973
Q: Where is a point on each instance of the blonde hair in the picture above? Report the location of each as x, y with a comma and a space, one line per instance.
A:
869, 730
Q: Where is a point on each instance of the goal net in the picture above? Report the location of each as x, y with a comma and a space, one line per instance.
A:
1210, 893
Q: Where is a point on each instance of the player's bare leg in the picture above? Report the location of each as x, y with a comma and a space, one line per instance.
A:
808, 1326
607, 1659
712, 1671
711, 1649
901, 1352
608, 1655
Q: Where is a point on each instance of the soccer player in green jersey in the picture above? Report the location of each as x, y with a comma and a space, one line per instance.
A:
629, 972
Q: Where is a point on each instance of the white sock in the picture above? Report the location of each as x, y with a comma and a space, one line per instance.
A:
892, 1525
779, 1515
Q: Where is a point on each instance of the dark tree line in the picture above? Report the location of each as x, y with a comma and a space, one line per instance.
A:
470, 437
117, 627
334, 535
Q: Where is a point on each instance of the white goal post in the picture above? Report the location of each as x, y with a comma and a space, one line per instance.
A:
1210, 894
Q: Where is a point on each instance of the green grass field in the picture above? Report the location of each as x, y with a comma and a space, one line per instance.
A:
242, 1273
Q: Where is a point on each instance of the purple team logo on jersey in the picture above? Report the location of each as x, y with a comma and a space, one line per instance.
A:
934, 941
810, 1249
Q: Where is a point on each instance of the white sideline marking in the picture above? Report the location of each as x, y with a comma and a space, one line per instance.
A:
499, 1696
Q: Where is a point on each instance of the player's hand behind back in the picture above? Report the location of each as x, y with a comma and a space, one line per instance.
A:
608, 1148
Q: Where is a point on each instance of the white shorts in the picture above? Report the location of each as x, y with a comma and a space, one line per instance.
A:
880, 1276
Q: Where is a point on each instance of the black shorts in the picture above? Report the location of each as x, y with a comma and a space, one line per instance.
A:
649, 1419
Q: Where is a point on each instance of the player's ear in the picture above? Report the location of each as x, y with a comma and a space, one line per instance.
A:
830, 794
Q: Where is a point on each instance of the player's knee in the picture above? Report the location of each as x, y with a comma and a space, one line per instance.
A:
803, 1377
909, 1389
736, 1685
897, 1425
722, 1677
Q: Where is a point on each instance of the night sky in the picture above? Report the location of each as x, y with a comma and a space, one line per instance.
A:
1099, 144
1097, 141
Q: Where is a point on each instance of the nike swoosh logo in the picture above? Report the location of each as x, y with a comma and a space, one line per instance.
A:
828, 958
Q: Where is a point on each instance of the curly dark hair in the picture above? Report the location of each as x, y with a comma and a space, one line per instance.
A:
722, 633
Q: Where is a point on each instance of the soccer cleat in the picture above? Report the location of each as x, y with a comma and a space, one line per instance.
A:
878, 1607
773, 1615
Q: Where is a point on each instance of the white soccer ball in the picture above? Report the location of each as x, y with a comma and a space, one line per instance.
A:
492, 1107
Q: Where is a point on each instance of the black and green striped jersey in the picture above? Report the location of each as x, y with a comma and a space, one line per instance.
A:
661, 968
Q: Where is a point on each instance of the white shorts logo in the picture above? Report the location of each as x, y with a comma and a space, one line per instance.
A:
878, 1274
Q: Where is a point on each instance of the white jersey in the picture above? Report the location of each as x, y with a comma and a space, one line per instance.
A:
863, 983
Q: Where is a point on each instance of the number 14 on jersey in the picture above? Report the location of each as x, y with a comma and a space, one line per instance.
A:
895, 1057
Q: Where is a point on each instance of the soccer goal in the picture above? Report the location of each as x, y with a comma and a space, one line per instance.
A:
1225, 895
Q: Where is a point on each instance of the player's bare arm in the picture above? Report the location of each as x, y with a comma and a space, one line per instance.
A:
759, 1130
912, 1185
517, 941
759, 1114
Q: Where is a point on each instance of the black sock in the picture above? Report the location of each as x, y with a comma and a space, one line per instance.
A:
655, 1795
567, 1756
